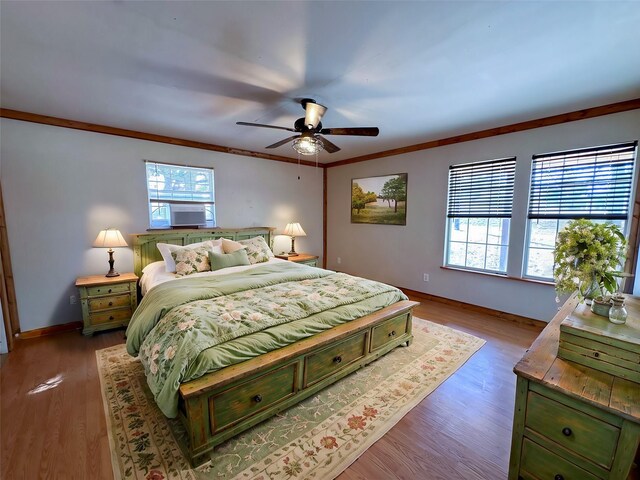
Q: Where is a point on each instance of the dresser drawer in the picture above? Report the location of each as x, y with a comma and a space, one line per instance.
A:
388, 331
581, 433
240, 401
325, 362
121, 314
540, 463
107, 289
113, 301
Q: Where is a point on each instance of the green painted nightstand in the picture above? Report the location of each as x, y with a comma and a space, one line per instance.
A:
304, 258
107, 302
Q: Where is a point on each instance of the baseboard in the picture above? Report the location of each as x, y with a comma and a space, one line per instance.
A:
41, 332
512, 317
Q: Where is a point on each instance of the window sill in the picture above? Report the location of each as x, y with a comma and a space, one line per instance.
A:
497, 275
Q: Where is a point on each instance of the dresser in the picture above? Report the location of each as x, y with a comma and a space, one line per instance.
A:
572, 421
303, 258
107, 302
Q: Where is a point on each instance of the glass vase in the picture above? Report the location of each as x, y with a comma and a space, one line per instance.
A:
617, 312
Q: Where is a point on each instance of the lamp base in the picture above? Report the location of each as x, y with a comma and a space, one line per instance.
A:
293, 253
111, 272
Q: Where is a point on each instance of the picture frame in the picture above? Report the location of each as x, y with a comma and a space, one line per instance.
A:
380, 200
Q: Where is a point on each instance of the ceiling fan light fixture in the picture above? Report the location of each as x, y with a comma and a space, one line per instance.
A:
314, 112
307, 145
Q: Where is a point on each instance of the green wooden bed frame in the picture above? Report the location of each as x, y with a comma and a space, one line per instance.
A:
224, 403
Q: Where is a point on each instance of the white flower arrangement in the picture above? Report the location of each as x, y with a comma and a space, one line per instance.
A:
587, 257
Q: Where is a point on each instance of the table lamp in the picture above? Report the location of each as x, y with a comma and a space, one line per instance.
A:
293, 230
110, 238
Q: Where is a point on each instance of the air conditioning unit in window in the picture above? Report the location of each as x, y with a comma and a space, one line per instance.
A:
188, 215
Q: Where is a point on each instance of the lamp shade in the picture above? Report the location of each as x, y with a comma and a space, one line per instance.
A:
110, 238
294, 230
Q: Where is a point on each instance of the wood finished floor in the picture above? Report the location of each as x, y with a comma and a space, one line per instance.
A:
460, 431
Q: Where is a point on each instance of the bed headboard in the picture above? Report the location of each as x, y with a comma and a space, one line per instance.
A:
146, 252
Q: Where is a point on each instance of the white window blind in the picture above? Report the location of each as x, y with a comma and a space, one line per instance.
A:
592, 183
169, 184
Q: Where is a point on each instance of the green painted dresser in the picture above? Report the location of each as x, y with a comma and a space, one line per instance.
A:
571, 421
303, 258
107, 302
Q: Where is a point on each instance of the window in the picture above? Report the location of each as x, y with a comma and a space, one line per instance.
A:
178, 184
592, 183
479, 214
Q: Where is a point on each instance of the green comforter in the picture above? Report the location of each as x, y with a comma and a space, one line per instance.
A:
181, 325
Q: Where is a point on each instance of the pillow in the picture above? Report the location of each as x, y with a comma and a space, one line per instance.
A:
154, 267
218, 261
257, 249
166, 249
229, 246
191, 260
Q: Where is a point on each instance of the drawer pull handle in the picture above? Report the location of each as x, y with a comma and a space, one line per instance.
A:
392, 333
257, 398
110, 303
566, 431
109, 290
111, 317
337, 359
558, 477
596, 354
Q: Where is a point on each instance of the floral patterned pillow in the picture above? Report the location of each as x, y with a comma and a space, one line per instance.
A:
191, 260
257, 249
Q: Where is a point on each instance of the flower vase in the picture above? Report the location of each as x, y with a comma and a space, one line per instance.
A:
600, 306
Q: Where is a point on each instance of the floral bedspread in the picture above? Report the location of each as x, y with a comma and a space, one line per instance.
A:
183, 331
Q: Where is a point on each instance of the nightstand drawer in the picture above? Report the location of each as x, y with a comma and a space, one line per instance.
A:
107, 289
325, 362
388, 331
540, 463
572, 429
113, 301
110, 316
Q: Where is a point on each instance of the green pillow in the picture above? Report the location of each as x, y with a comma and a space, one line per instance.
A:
224, 260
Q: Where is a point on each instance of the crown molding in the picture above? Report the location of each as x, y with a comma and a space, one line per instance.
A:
121, 132
492, 132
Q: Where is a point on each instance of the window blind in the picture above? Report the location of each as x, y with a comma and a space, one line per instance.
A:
590, 183
481, 189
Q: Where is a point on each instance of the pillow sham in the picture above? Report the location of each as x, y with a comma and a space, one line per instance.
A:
166, 249
257, 249
229, 246
154, 267
191, 260
219, 261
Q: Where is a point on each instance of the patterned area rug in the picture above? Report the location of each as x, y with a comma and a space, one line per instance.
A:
317, 438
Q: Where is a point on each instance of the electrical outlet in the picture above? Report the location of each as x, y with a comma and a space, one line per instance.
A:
73, 300
339, 260
425, 277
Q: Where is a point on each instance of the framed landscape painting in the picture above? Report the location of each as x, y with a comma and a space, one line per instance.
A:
381, 200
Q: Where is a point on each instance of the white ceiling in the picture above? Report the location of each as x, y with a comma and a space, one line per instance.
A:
417, 70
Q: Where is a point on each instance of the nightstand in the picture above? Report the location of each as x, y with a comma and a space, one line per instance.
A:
304, 258
107, 302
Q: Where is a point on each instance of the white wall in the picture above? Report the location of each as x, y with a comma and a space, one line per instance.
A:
62, 186
401, 254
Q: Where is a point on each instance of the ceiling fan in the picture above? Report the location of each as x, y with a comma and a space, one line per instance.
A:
309, 140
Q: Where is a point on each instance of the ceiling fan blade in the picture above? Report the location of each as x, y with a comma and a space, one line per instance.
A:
248, 124
362, 131
282, 142
327, 145
314, 112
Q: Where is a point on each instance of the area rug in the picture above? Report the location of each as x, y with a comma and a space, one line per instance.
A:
318, 438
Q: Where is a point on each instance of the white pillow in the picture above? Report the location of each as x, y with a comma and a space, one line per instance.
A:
230, 246
154, 267
166, 248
